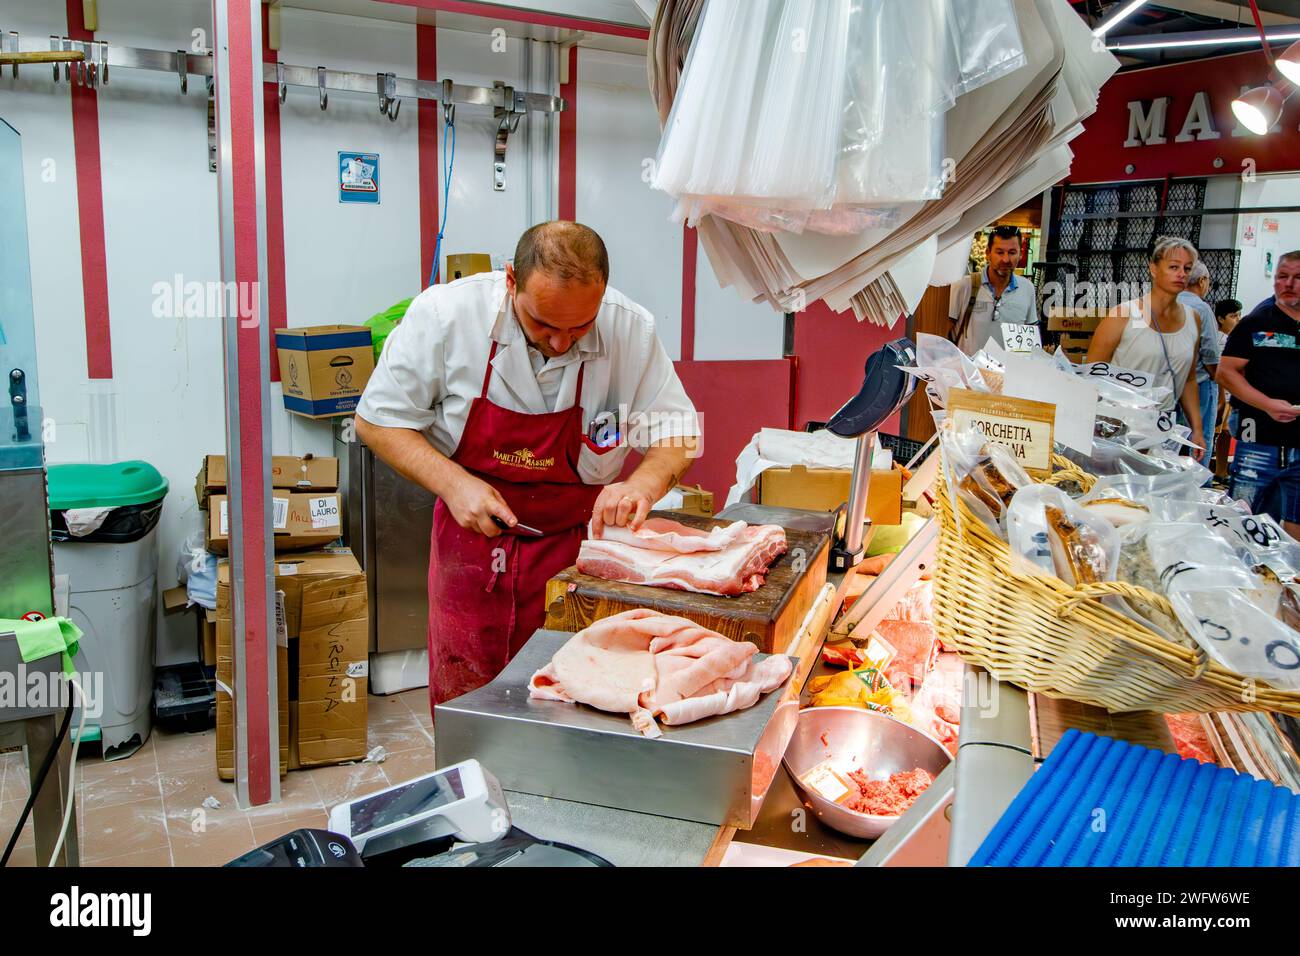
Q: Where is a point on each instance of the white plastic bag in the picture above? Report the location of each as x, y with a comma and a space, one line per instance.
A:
1051, 534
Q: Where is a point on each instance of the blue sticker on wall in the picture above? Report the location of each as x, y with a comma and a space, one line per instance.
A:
359, 177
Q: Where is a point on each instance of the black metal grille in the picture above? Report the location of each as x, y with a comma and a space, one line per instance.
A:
1117, 250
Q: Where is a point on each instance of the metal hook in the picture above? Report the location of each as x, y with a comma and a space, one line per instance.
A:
320, 79
389, 104
54, 45
103, 61
92, 70
448, 105
282, 89
67, 66
13, 45
182, 62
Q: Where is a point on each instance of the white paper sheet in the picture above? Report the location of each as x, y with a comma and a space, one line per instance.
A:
1075, 398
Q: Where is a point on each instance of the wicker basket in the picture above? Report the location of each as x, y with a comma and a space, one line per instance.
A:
1041, 634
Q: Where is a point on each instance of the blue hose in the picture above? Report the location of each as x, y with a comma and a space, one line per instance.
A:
448, 164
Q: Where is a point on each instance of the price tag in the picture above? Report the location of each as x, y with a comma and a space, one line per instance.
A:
225, 521
1125, 376
825, 781
1021, 338
359, 669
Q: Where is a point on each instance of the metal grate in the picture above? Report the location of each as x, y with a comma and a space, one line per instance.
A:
1116, 250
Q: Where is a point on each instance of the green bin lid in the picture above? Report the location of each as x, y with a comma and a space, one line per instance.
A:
115, 485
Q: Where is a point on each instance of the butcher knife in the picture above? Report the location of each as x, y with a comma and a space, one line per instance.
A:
521, 528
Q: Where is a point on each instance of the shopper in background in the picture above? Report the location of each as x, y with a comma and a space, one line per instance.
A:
1195, 297
1261, 368
1227, 313
1157, 334
985, 301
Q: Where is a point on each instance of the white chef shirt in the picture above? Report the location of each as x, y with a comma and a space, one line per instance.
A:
433, 363
1018, 305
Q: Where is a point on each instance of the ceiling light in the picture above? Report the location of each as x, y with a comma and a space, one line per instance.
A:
1288, 63
1258, 109
1124, 13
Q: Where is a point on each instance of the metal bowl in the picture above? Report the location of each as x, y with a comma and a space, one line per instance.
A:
855, 739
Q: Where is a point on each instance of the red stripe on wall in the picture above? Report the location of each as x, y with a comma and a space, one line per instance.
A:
426, 67
252, 485
276, 295
498, 12
690, 243
90, 213
569, 141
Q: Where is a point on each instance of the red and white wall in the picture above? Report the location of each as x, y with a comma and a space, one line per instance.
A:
120, 382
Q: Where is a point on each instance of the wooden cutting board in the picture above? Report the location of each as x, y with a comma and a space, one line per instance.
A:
767, 617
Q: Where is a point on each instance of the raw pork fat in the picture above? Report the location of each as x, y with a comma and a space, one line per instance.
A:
648, 664
662, 553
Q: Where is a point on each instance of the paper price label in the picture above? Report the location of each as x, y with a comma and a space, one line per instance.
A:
1021, 338
1125, 376
280, 513
281, 623
359, 669
825, 781
225, 521
324, 511
286, 569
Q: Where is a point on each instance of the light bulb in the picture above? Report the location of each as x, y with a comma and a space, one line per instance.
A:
1288, 63
1258, 109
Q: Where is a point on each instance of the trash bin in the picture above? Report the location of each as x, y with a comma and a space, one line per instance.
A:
103, 520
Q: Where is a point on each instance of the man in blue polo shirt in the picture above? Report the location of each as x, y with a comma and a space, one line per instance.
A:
1261, 369
1000, 303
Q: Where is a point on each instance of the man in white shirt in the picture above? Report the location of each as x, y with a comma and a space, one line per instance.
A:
1001, 301
515, 398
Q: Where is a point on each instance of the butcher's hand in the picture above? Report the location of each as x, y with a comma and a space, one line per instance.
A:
624, 503
473, 502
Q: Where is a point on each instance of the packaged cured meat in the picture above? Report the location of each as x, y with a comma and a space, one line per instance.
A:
1190, 737
1049, 533
985, 474
866, 687
916, 646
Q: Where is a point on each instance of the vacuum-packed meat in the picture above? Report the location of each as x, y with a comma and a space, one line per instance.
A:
649, 665
728, 560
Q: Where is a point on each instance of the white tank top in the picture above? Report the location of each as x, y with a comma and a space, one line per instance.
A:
1159, 354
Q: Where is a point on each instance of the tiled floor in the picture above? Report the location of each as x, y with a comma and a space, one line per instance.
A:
147, 810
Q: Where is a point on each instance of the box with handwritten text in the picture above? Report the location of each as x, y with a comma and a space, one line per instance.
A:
323, 617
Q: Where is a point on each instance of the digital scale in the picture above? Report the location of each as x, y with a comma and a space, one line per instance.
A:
885, 389
454, 817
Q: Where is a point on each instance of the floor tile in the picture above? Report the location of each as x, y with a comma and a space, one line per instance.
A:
219, 843
402, 767
265, 832
186, 751
398, 734
10, 811
127, 828
346, 782
298, 795
127, 786
22, 856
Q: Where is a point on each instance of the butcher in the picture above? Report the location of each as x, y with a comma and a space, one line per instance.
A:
515, 397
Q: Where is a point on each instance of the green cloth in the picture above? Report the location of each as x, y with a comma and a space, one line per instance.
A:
382, 324
39, 639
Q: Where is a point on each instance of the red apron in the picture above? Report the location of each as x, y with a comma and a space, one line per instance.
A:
487, 595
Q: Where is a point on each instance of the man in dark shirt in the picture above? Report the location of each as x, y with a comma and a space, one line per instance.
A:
1261, 368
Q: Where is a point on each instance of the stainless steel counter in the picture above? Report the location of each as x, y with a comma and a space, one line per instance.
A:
620, 836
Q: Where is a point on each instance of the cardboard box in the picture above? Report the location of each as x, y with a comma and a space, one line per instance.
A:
301, 521
176, 600
825, 489
324, 368
696, 501
225, 652
326, 621
308, 473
